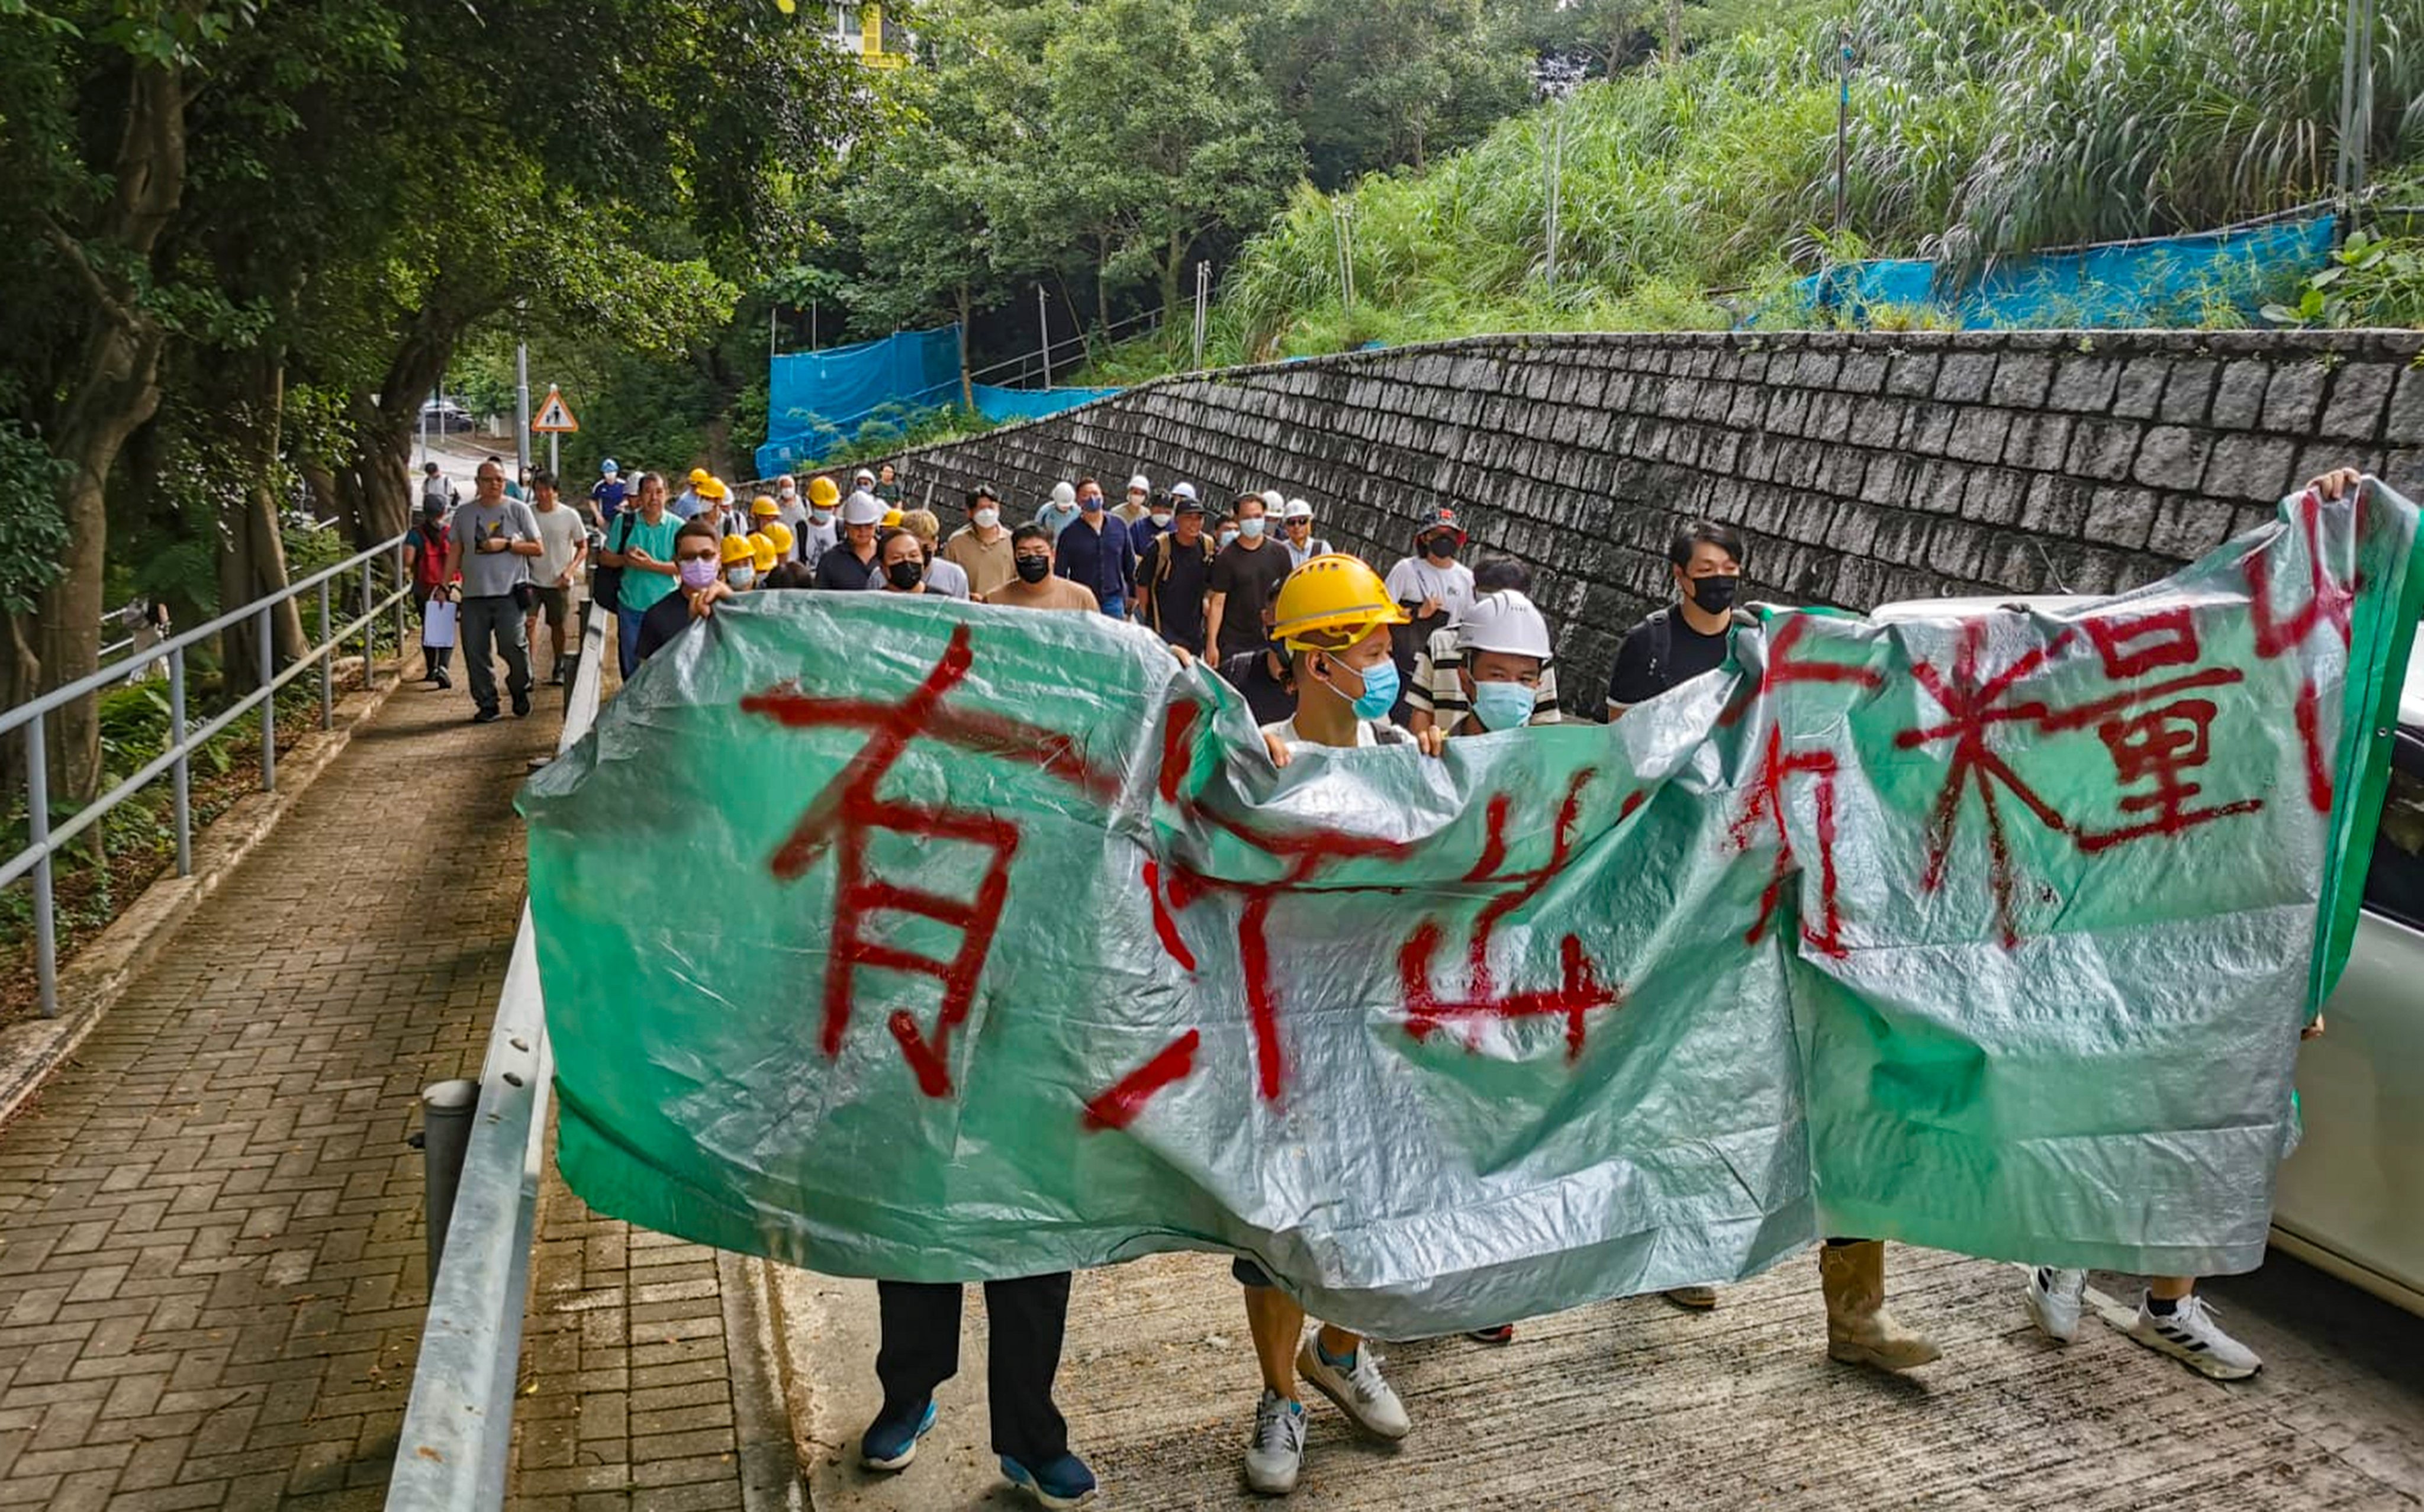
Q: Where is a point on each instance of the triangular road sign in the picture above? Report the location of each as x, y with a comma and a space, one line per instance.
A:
556, 416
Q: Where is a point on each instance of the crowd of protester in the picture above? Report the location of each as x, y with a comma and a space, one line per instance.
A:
1327, 652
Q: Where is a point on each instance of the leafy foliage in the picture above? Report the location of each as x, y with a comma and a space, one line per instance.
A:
32, 533
1979, 129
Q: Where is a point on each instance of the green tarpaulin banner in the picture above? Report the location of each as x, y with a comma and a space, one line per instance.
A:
903, 937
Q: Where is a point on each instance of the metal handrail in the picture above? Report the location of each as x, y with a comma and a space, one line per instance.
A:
459, 1424
43, 842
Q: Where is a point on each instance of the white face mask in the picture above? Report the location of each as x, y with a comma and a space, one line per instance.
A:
789, 494
1161, 519
985, 518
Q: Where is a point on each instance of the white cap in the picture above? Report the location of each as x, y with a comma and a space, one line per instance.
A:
1064, 493
1297, 509
1275, 501
862, 508
1182, 490
863, 475
1505, 621
1140, 484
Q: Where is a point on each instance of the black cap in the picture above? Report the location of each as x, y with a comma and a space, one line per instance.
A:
1188, 504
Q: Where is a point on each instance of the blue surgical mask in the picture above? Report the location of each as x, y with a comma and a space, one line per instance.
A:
1380, 693
1503, 706
1226, 536
742, 578
1250, 529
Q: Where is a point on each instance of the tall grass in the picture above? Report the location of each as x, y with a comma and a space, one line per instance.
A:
1979, 128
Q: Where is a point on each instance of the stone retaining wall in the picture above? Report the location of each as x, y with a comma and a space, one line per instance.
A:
1864, 469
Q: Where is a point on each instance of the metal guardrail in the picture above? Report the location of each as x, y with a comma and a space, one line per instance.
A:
45, 841
451, 1454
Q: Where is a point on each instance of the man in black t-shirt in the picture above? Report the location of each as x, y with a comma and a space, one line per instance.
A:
1244, 576
1692, 635
1174, 574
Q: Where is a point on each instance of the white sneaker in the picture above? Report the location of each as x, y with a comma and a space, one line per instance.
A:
2053, 1297
1360, 1391
1276, 1452
2191, 1335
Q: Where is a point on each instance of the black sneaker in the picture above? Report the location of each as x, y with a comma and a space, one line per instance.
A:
444, 681
484, 716
522, 706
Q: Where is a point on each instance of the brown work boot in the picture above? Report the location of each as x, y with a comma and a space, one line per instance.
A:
1860, 1330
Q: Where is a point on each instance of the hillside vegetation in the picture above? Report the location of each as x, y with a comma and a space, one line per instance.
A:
1696, 191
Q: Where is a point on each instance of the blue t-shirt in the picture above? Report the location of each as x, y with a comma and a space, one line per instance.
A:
608, 496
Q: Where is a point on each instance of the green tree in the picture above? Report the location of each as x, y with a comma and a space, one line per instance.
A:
1388, 84
1155, 140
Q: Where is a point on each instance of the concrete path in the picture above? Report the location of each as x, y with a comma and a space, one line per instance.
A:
1637, 1404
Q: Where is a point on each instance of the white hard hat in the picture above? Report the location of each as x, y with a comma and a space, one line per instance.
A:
1505, 621
1275, 501
1140, 484
1297, 509
1182, 490
862, 508
863, 473
1064, 493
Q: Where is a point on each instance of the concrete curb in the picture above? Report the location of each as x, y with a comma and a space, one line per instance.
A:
763, 1381
100, 972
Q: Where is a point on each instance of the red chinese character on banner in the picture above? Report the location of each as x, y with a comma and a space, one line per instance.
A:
1767, 804
1578, 991
2158, 746
851, 811
2329, 603
2162, 746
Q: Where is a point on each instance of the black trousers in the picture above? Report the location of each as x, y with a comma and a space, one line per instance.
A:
922, 1350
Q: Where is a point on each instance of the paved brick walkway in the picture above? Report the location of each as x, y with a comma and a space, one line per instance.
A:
211, 1252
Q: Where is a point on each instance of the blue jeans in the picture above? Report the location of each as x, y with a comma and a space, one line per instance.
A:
1116, 605
627, 639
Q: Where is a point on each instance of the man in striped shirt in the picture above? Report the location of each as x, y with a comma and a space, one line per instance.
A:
1436, 696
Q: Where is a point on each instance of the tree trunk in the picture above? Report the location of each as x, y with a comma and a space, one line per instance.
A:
112, 388
380, 476
253, 556
1102, 300
1169, 264
967, 386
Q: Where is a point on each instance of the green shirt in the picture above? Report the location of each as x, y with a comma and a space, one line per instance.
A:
641, 588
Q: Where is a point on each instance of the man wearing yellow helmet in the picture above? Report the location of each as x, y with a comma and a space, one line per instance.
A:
821, 531
739, 562
686, 503
1332, 616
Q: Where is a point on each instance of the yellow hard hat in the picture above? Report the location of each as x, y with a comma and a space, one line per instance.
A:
764, 506
714, 488
762, 549
700, 476
778, 533
892, 519
1336, 592
822, 493
736, 550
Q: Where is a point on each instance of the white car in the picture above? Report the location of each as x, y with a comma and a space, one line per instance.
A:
2350, 1200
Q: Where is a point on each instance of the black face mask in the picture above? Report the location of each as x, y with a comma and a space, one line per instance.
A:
1441, 546
905, 575
1715, 594
1033, 569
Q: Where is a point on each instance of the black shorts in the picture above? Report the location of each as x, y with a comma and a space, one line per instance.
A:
1247, 1273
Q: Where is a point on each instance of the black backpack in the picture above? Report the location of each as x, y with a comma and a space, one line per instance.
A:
1660, 627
